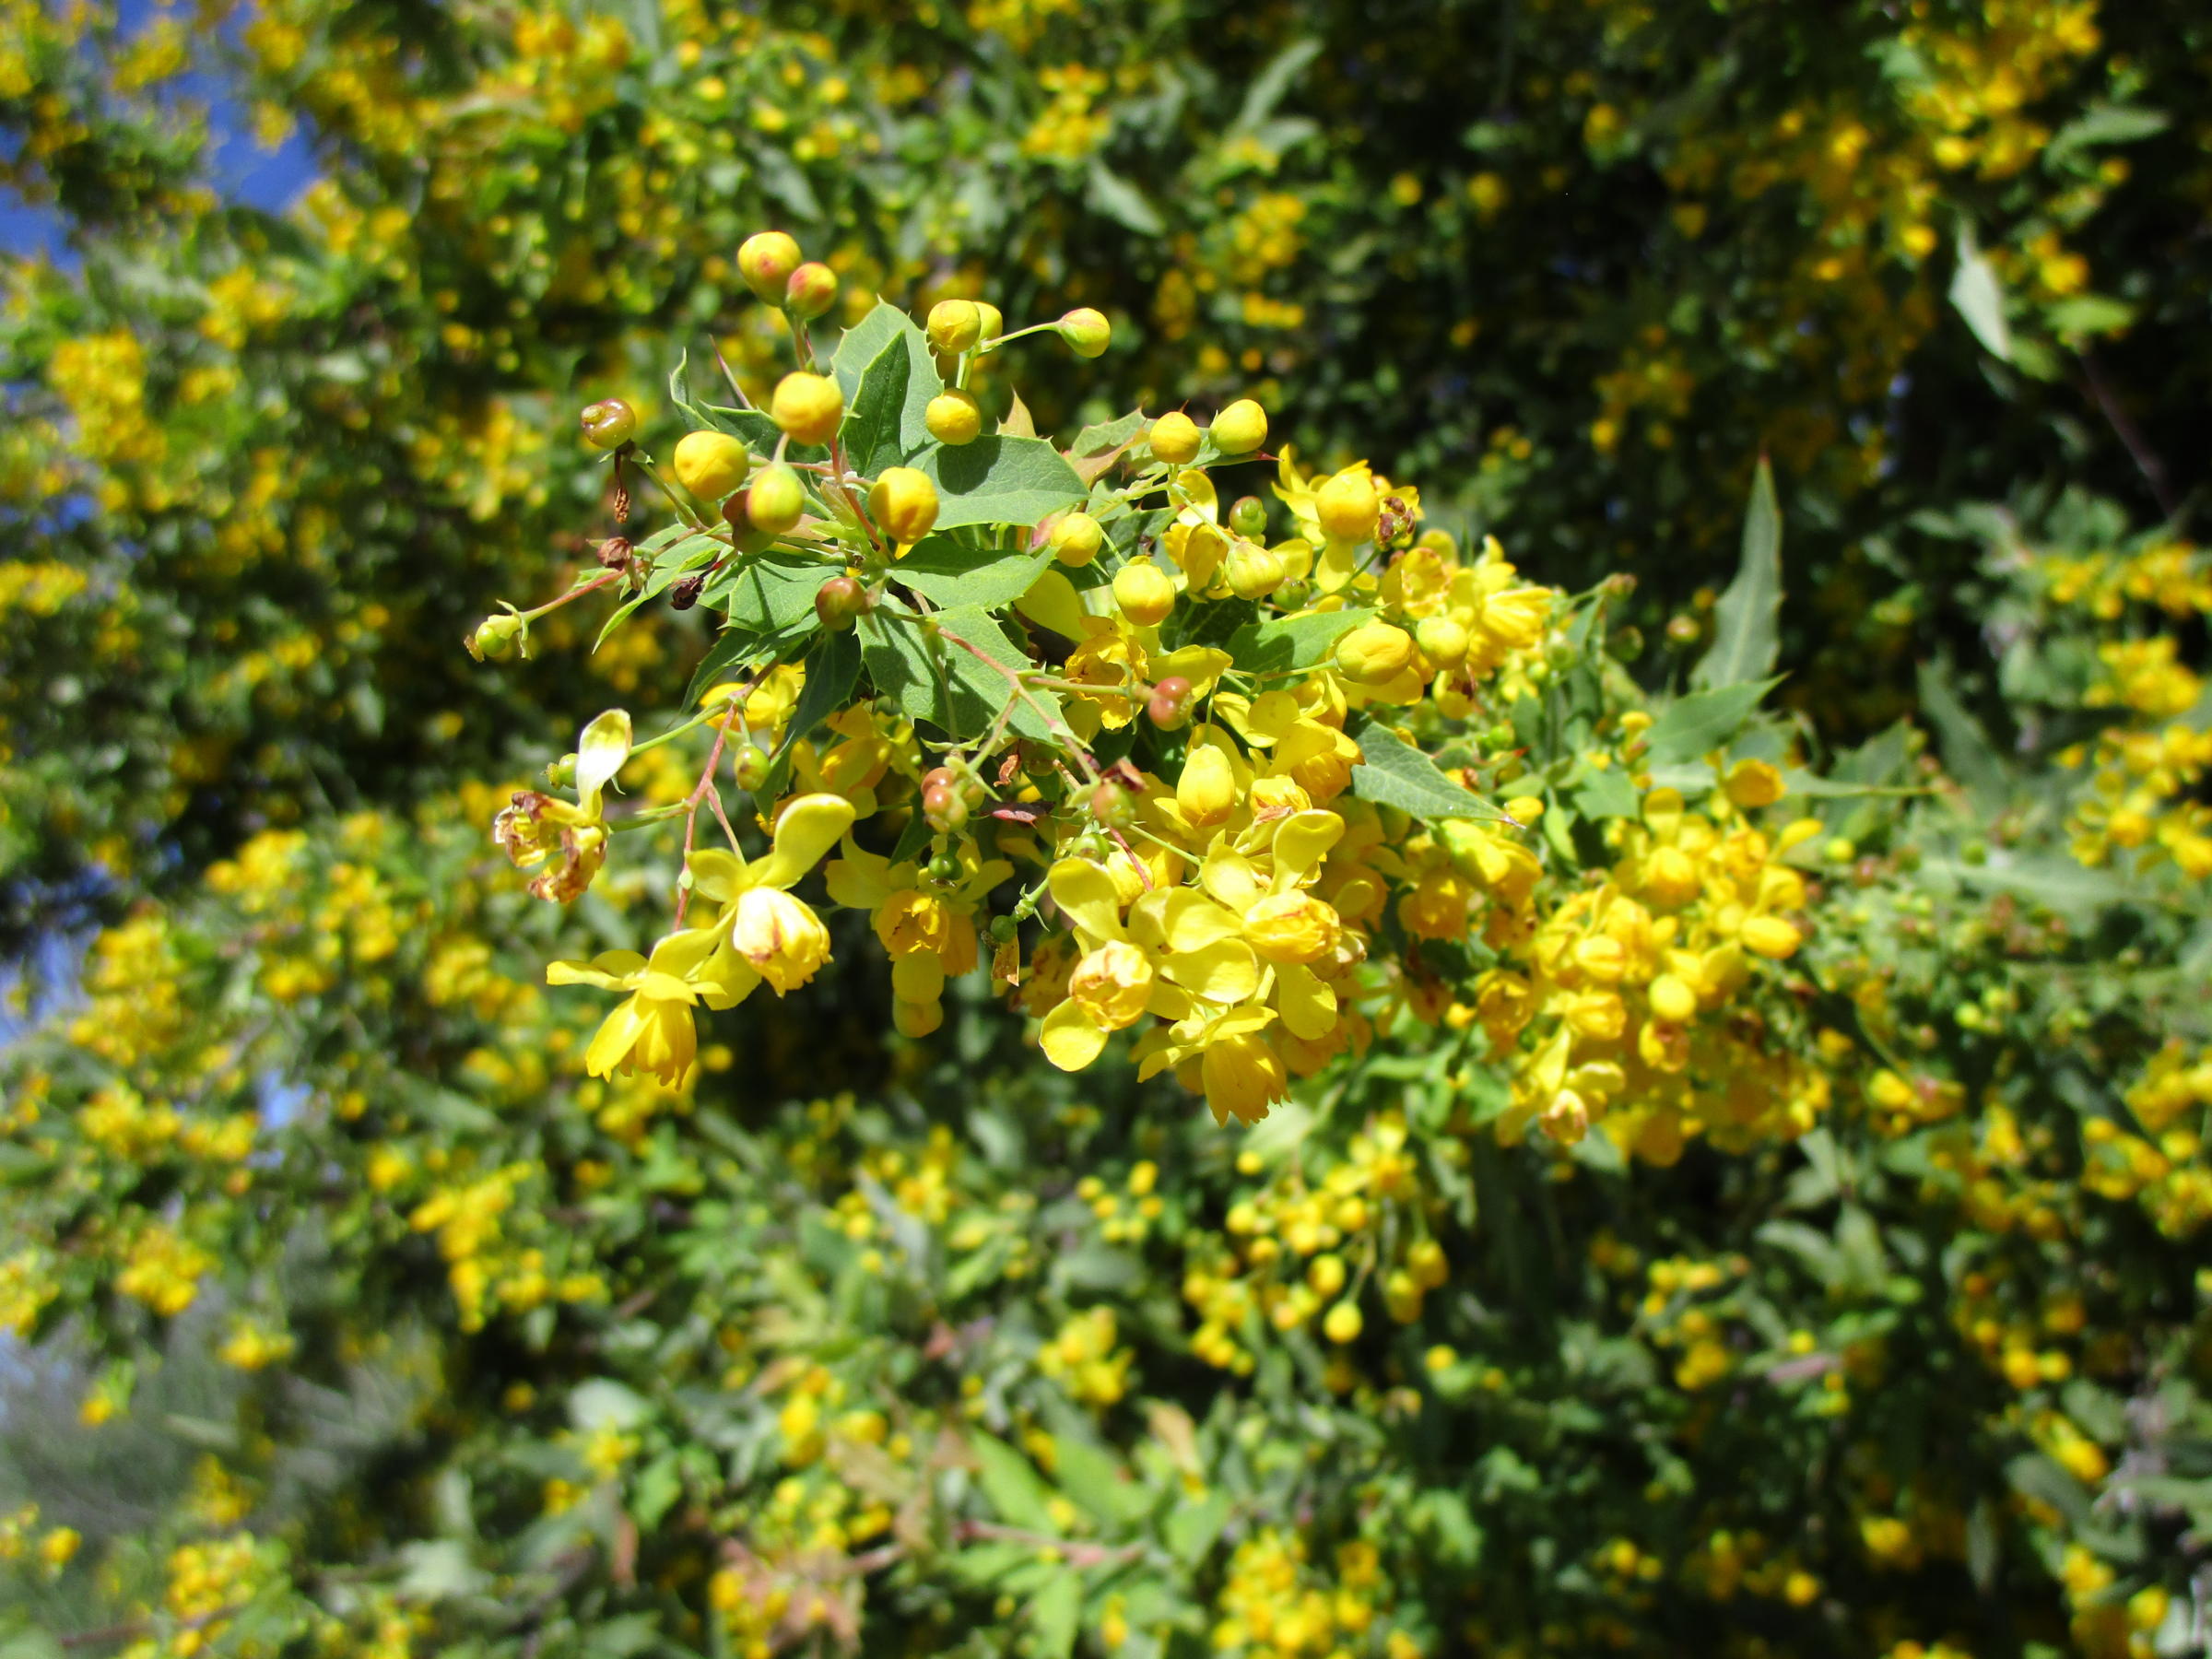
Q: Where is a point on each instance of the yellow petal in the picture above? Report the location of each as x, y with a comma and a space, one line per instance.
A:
1223, 972
1308, 1007
1302, 842
1070, 1042
808, 828
600, 752
1088, 897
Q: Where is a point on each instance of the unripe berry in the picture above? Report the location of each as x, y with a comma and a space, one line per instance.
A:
954, 417
1086, 331
1253, 571
808, 407
608, 424
1240, 428
1171, 704
710, 464
495, 636
1175, 437
903, 503
955, 325
939, 777
751, 763
1112, 806
1249, 517
1144, 593
942, 810
745, 536
993, 320
840, 601
811, 290
1077, 538
777, 500
1348, 507
1374, 653
1442, 640
766, 262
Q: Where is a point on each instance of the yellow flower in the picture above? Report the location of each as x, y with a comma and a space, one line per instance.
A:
537, 830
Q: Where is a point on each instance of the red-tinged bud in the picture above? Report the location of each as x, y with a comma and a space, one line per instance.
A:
811, 290
944, 810
840, 602
1170, 703
766, 261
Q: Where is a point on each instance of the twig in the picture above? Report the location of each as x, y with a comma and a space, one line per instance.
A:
1077, 1554
2147, 460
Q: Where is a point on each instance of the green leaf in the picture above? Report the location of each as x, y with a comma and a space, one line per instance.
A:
887, 416
832, 670
1193, 1529
1394, 773
1121, 201
1747, 635
1289, 643
769, 594
1014, 1489
1001, 481
1693, 726
1608, 794
2105, 124
951, 573
938, 681
1980, 298
1097, 448
863, 343
1054, 1616
668, 567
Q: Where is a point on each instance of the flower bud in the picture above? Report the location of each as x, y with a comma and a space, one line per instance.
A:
993, 321
495, 636
710, 464
1348, 507
777, 500
1442, 640
1249, 516
903, 503
1374, 653
955, 325
1144, 593
1240, 428
766, 262
1170, 703
954, 417
1253, 571
751, 764
1343, 1322
1086, 331
1077, 538
608, 424
811, 290
1672, 999
1208, 790
840, 601
808, 407
1175, 437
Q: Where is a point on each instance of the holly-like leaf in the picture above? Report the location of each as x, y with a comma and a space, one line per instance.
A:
1000, 481
1746, 636
1284, 643
1394, 773
953, 574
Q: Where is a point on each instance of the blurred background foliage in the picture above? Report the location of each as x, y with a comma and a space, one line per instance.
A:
350, 1319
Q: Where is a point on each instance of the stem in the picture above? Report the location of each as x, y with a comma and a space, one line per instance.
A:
706, 785
578, 591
